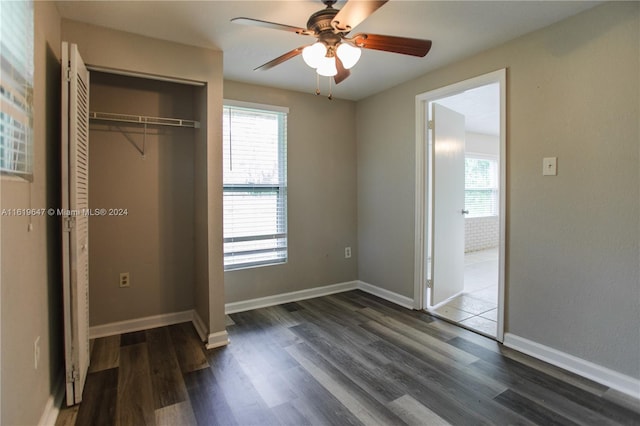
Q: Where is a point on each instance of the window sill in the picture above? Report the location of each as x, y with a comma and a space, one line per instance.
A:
244, 268
10, 177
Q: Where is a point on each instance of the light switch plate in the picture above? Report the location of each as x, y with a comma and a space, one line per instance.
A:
550, 166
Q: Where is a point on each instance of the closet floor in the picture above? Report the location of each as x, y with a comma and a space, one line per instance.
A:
348, 358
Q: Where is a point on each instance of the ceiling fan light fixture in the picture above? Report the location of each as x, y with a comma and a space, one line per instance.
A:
348, 54
314, 54
334, 52
327, 67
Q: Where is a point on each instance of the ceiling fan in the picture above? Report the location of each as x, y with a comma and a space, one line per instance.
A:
334, 53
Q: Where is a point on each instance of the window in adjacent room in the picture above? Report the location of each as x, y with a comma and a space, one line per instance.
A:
255, 185
481, 186
16, 89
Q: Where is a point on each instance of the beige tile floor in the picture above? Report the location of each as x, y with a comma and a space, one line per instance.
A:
476, 307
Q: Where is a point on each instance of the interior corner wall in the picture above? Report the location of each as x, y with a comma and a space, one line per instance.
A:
119, 50
572, 243
321, 195
31, 289
213, 200
201, 208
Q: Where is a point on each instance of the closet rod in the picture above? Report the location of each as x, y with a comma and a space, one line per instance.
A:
141, 119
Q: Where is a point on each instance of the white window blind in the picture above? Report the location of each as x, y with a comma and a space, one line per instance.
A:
481, 186
16, 88
255, 186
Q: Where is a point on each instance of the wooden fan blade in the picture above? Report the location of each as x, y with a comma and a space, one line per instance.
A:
280, 59
353, 13
343, 73
272, 25
403, 45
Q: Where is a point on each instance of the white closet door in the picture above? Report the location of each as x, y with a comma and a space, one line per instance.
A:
75, 236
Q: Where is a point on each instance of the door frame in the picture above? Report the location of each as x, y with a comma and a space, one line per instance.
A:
420, 228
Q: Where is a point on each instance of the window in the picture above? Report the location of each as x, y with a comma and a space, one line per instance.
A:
481, 186
255, 185
16, 88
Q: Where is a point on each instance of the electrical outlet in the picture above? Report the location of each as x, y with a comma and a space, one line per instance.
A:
36, 352
124, 279
347, 252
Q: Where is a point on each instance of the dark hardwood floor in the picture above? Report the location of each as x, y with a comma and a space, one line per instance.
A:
345, 359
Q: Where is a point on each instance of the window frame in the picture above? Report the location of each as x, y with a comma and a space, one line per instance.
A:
17, 82
280, 189
495, 190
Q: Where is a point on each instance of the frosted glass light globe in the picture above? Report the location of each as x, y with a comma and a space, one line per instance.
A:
313, 54
327, 67
348, 54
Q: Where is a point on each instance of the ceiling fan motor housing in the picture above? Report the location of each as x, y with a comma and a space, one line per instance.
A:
320, 24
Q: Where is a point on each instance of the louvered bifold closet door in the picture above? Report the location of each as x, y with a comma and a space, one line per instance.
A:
75, 218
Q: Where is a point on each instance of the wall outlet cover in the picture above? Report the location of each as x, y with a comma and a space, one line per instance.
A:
125, 280
550, 166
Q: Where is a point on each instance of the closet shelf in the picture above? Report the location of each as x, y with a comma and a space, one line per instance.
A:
141, 119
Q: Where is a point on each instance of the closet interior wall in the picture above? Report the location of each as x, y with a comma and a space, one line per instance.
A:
151, 232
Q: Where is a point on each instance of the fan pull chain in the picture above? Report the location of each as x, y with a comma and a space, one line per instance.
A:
318, 87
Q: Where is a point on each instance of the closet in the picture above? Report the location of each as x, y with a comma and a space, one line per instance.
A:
142, 135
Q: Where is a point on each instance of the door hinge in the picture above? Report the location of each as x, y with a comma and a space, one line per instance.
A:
68, 74
429, 284
430, 125
69, 222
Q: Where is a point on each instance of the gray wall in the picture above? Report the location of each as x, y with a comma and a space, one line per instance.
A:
321, 195
573, 270
154, 241
31, 291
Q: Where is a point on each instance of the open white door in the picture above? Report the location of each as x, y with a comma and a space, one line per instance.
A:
75, 203
447, 274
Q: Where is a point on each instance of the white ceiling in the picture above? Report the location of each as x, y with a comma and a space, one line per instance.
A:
480, 107
458, 29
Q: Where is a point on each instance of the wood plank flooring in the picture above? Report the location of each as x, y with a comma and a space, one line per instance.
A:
344, 359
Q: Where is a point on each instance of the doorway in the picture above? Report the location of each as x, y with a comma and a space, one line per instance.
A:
460, 203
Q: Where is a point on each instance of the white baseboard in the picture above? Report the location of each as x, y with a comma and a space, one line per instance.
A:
383, 293
595, 372
215, 340
139, 324
200, 326
277, 299
263, 302
52, 408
